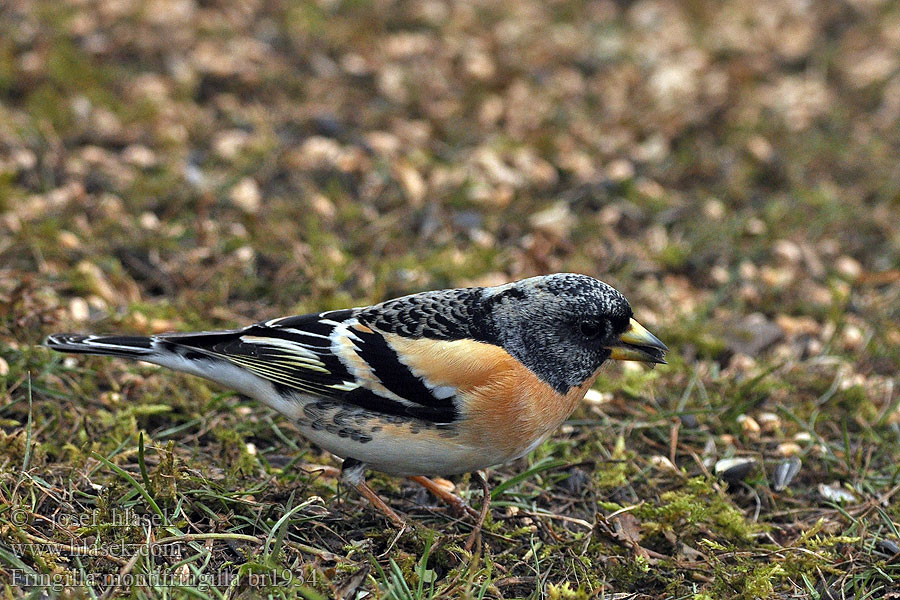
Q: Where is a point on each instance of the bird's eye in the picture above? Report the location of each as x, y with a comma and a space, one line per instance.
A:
589, 329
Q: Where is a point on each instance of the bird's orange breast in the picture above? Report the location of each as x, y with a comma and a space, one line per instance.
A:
505, 406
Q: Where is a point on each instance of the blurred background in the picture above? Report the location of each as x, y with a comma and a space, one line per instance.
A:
731, 166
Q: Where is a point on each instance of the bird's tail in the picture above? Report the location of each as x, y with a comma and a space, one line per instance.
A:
126, 346
183, 352
194, 353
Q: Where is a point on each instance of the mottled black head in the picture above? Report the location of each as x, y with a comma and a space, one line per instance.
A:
564, 326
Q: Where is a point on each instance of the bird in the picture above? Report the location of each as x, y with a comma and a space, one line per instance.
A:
436, 383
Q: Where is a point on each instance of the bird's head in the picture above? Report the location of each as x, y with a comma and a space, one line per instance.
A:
564, 326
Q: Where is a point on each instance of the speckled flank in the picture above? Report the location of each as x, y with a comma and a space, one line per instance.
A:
359, 424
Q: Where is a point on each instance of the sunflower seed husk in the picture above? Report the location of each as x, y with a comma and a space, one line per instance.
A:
734, 470
835, 493
785, 472
889, 547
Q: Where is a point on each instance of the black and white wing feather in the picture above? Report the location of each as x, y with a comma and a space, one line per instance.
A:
331, 355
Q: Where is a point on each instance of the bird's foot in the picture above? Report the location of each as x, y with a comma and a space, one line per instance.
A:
457, 505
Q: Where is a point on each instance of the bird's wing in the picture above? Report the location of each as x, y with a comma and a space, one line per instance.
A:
329, 355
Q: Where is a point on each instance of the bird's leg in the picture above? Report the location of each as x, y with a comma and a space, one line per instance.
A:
353, 472
457, 504
485, 505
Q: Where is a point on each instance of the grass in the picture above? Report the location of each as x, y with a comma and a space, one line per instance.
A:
734, 176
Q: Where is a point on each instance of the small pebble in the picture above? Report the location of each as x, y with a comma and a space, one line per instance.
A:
768, 421
246, 195
148, 221
719, 274
24, 158
68, 240
755, 226
557, 220
760, 148
139, 156
787, 252
852, 338
690, 421
714, 209
596, 398
79, 309
749, 425
788, 449
620, 170
323, 206
747, 270
244, 254
413, 184
848, 267
776, 277
228, 144
162, 325
726, 439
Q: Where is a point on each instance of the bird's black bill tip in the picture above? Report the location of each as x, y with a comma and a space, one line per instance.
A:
640, 345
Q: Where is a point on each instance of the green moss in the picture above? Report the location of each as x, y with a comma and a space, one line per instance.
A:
855, 400
746, 580
14, 447
828, 185
630, 573
164, 478
565, 592
233, 451
692, 510
674, 256
614, 473
7, 65
46, 103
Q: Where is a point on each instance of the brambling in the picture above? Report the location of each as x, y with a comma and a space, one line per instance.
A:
436, 383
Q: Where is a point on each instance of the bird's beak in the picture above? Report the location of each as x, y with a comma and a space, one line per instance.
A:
638, 344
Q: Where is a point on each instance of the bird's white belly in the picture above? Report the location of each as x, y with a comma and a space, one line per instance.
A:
411, 454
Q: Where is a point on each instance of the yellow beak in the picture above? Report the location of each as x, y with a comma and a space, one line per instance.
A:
638, 344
